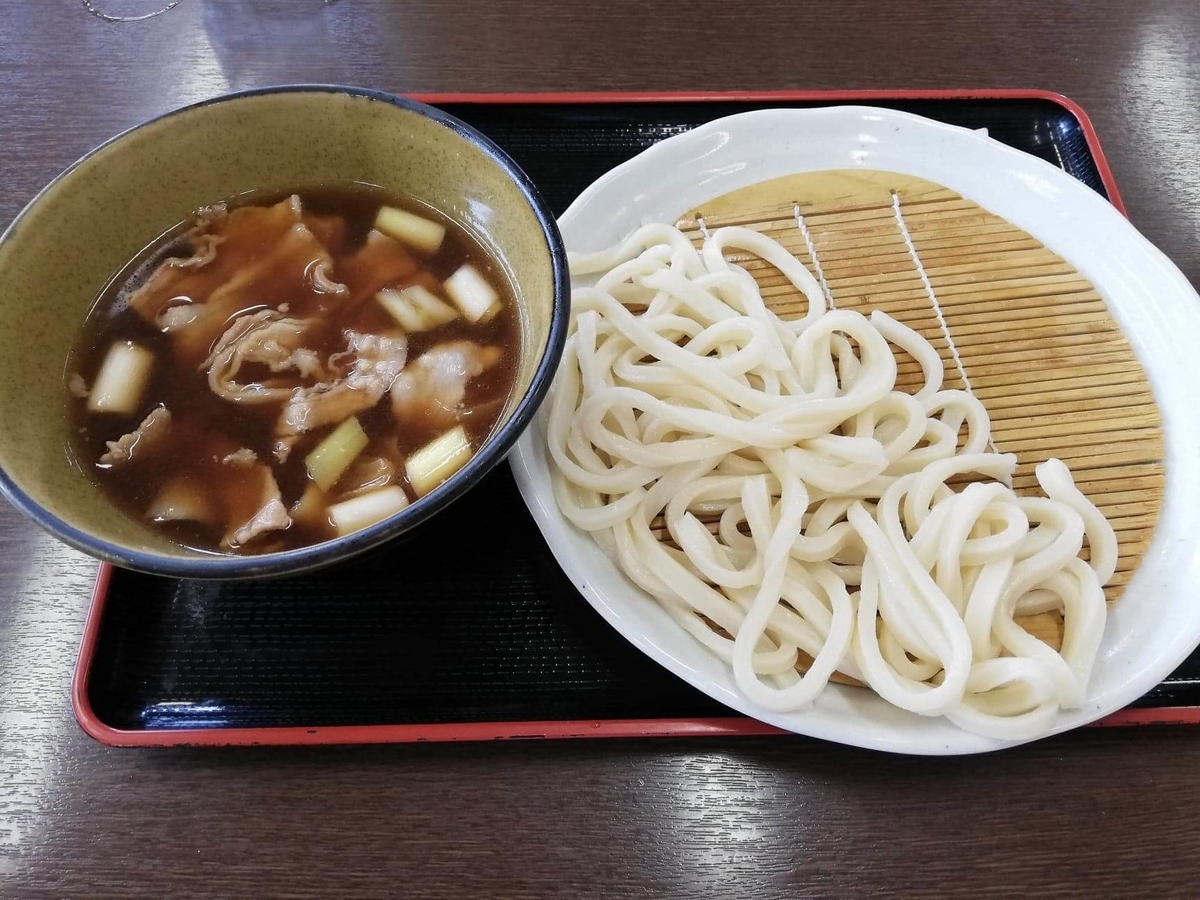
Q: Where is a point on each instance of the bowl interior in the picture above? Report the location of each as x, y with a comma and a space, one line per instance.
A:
87, 224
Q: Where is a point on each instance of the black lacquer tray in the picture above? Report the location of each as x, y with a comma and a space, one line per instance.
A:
418, 641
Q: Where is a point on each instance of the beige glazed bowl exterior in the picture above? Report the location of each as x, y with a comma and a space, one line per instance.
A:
90, 221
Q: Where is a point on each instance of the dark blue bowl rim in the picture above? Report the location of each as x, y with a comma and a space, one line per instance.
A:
304, 559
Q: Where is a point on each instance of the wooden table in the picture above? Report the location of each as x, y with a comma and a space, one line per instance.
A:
1100, 813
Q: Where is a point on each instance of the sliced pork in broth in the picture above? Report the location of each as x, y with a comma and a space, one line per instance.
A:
275, 374
432, 390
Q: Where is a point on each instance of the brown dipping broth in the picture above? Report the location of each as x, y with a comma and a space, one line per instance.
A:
207, 427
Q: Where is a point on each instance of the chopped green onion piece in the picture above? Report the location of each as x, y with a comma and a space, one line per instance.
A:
182, 500
333, 455
419, 233
470, 292
415, 308
122, 379
438, 460
367, 509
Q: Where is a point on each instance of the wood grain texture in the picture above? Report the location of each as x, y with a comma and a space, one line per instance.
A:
1100, 813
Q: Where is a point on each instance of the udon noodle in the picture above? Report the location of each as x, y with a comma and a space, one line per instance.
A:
816, 517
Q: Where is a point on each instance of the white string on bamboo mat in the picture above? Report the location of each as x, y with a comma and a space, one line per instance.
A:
937, 307
812, 254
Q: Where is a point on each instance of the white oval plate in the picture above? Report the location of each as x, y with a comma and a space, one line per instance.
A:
1155, 625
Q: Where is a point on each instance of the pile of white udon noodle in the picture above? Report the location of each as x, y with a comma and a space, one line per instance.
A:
682, 399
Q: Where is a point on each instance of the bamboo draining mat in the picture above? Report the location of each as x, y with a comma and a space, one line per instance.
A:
1035, 338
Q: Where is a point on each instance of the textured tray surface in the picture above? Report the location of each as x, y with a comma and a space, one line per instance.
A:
412, 634
425, 631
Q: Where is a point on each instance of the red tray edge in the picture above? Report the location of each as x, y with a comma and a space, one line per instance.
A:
610, 728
